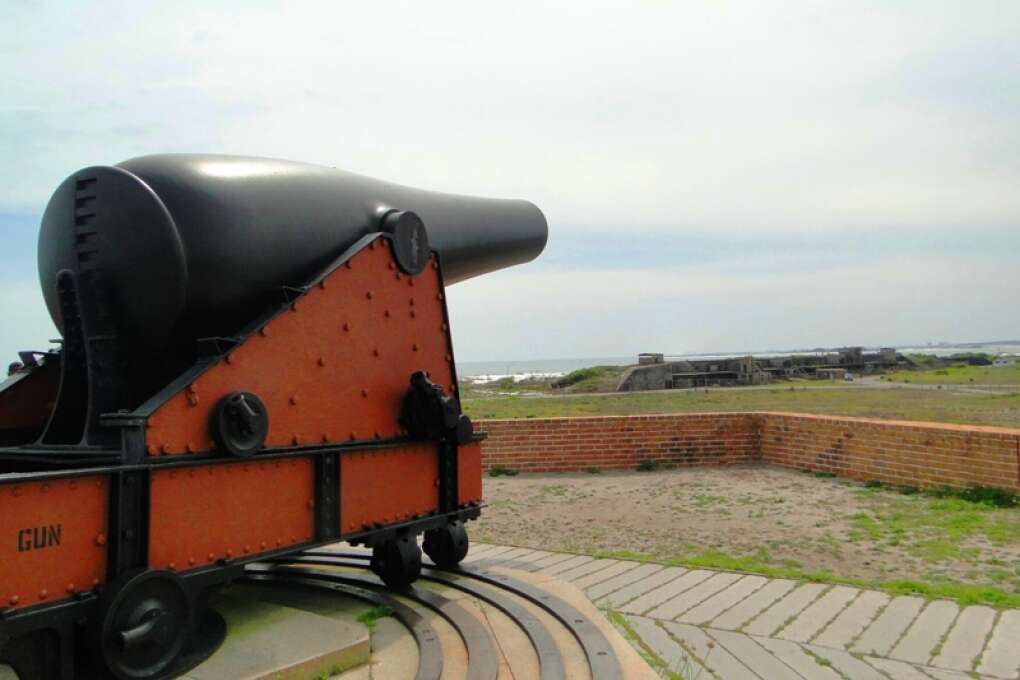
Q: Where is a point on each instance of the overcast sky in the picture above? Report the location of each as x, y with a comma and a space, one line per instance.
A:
716, 175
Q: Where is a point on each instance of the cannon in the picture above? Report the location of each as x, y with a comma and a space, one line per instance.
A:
255, 359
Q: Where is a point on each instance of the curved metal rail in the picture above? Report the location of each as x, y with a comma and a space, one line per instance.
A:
498, 590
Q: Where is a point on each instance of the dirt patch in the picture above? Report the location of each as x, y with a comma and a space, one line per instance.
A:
758, 515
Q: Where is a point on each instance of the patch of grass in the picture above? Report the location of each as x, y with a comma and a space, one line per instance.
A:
369, 617
593, 470
649, 655
502, 471
592, 379
648, 465
825, 474
960, 373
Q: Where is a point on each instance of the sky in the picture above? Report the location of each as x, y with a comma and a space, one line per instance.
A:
716, 175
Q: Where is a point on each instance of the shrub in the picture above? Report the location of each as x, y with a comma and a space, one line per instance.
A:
647, 465
501, 471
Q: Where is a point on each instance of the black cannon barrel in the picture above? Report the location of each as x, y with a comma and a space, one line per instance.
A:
196, 245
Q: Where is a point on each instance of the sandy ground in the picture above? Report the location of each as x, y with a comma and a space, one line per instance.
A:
782, 517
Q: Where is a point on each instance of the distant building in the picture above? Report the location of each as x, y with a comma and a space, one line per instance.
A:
1004, 360
654, 372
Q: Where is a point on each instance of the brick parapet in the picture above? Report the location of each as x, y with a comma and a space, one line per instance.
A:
895, 452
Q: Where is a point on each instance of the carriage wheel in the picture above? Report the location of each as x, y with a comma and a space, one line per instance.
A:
447, 545
145, 620
397, 561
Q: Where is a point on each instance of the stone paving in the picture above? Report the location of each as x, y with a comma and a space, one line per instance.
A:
707, 625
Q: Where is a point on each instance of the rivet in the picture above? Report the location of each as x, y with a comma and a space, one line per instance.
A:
191, 560
74, 485
347, 326
247, 548
322, 361
293, 306
354, 435
413, 314
230, 553
375, 352
229, 358
398, 276
411, 301
389, 265
364, 392
95, 582
444, 327
264, 331
279, 542
293, 400
348, 264
414, 347
311, 503
449, 357
172, 566
410, 281
45, 488
368, 295
325, 437
70, 587
439, 296
192, 398
371, 246
376, 435
190, 447
386, 313
322, 284
295, 439
43, 594
211, 557
435, 265
263, 544
13, 599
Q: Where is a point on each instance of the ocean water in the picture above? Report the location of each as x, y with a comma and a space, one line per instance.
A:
495, 370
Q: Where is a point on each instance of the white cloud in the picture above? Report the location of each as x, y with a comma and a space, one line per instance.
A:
652, 118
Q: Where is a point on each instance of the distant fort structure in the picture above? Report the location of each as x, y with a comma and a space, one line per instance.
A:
658, 372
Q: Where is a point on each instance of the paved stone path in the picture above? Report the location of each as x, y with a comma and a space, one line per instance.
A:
707, 625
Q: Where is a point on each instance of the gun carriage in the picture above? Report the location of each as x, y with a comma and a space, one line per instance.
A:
255, 359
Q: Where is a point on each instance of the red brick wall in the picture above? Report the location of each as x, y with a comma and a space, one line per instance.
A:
620, 442
895, 452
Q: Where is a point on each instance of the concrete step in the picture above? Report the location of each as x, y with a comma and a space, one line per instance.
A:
267, 639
